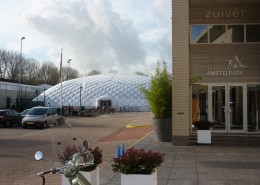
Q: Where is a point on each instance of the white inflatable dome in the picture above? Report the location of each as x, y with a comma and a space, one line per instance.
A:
119, 91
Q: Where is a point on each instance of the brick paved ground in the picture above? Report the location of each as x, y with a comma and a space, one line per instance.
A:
17, 145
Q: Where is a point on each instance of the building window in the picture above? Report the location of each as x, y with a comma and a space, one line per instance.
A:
217, 33
252, 33
199, 103
235, 33
9, 87
199, 34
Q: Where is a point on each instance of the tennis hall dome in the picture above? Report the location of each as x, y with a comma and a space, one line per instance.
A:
119, 91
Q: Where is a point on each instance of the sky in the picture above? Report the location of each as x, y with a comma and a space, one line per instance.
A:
120, 35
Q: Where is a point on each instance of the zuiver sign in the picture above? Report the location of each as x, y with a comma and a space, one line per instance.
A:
234, 68
230, 15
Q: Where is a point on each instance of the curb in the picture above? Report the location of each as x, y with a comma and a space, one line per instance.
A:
131, 125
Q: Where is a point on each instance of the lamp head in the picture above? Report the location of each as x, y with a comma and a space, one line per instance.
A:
22, 38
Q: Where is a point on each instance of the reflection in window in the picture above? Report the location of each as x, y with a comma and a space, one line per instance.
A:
199, 34
235, 33
199, 102
252, 33
217, 34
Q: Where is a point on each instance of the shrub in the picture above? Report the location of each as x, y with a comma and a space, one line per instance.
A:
159, 95
202, 125
137, 161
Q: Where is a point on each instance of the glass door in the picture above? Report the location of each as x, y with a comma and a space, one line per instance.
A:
227, 110
253, 111
235, 108
218, 108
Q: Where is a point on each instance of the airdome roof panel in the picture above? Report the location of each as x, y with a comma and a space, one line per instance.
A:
124, 90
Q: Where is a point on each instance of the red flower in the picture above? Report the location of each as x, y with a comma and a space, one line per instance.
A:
137, 161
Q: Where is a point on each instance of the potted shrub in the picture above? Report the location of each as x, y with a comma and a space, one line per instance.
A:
91, 173
203, 131
138, 166
159, 97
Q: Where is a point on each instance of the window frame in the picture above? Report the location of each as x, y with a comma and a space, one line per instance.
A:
226, 29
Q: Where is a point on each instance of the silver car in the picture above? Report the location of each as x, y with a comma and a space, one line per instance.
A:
40, 117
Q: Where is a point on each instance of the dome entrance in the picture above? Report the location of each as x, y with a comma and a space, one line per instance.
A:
105, 101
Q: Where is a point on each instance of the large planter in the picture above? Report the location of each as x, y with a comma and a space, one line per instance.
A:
162, 130
139, 179
92, 177
204, 136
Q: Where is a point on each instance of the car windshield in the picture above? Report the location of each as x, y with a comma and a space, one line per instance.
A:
37, 111
25, 112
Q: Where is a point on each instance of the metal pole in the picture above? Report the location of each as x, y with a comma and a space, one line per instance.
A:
19, 66
68, 69
44, 96
61, 83
37, 95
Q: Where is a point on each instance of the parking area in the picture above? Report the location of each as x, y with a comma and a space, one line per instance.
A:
107, 132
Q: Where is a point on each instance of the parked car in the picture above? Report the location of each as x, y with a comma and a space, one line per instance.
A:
9, 118
40, 117
23, 114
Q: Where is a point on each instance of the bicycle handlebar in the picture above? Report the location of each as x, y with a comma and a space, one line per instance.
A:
60, 170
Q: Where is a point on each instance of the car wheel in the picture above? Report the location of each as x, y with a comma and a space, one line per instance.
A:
7, 124
55, 123
44, 126
24, 127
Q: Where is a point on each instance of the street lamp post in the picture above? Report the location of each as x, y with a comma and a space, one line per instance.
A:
36, 93
44, 96
68, 69
19, 66
61, 83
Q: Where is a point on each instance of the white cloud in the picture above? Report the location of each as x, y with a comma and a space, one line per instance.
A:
125, 36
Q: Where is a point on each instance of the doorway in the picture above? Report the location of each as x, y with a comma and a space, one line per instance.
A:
227, 107
105, 103
253, 96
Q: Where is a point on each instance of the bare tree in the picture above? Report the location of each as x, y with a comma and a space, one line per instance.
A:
73, 73
13, 65
140, 73
49, 73
53, 74
3, 63
31, 71
93, 72
69, 73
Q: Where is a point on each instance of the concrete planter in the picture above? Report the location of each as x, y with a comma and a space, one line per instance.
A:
162, 130
92, 177
139, 179
204, 136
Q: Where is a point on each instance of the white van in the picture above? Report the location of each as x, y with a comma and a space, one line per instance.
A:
40, 117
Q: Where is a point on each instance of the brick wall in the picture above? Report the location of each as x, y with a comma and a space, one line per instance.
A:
181, 95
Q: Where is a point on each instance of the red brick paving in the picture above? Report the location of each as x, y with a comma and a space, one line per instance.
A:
17, 145
128, 134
